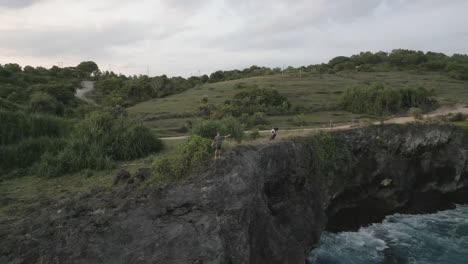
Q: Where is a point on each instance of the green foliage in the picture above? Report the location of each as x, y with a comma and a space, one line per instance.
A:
378, 100
87, 67
416, 112
455, 66
257, 119
458, 117
299, 120
228, 125
27, 152
258, 100
8, 105
41, 102
112, 89
17, 126
188, 156
330, 154
97, 141
254, 134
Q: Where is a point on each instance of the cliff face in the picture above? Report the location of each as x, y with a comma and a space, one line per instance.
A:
263, 204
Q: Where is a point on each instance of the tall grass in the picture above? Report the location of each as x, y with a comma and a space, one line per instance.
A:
27, 152
97, 142
17, 126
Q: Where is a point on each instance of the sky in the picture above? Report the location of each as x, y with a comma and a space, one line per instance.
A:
192, 37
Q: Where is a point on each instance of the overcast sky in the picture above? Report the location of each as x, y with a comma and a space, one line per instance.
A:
182, 37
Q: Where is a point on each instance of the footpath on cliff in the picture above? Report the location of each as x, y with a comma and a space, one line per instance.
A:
445, 110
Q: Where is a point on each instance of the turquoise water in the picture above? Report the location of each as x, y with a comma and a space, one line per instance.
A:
433, 238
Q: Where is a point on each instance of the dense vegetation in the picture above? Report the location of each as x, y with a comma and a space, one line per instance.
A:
96, 142
47, 131
41, 90
188, 156
330, 154
455, 66
379, 100
227, 126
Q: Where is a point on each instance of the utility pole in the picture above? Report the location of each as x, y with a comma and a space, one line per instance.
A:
147, 70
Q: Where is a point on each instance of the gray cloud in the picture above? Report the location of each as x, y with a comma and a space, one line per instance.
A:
95, 42
17, 3
183, 36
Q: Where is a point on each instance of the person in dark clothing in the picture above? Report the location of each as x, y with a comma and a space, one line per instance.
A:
217, 142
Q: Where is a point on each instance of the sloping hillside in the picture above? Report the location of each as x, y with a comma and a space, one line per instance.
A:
316, 94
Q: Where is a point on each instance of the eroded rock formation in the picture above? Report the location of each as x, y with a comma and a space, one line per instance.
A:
261, 204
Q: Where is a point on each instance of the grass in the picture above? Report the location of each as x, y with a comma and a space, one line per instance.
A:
20, 195
312, 91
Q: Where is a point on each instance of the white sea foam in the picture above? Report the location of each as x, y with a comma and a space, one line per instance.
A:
434, 238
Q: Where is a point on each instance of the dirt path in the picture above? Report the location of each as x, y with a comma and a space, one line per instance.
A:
394, 120
86, 87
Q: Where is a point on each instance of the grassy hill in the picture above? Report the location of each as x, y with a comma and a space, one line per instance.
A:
316, 94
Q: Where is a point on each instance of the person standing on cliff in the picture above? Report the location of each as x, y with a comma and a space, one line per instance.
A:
217, 142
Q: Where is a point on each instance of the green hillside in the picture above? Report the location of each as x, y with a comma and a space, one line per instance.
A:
315, 95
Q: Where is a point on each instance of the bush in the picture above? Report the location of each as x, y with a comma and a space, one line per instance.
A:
256, 119
27, 152
97, 141
458, 117
188, 156
416, 112
8, 105
258, 100
228, 125
299, 120
379, 100
330, 155
254, 134
44, 103
16, 126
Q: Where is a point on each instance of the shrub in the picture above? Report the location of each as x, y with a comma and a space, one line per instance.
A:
416, 112
8, 105
73, 160
379, 100
44, 103
16, 126
188, 156
256, 119
228, 125
330, 155
258, 100
458, 117
27, 152
299, 120
97, 141
254, 134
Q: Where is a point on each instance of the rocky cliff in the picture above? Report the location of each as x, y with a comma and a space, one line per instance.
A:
261, 204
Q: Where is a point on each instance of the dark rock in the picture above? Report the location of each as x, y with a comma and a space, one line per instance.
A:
121, 176
143, 174
262, 204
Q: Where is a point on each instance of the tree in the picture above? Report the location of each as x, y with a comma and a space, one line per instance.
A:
44, 103
87, 67
12, 67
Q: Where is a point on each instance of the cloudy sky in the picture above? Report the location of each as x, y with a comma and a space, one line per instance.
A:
183, 37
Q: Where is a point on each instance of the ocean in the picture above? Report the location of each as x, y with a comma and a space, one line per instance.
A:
432, 238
